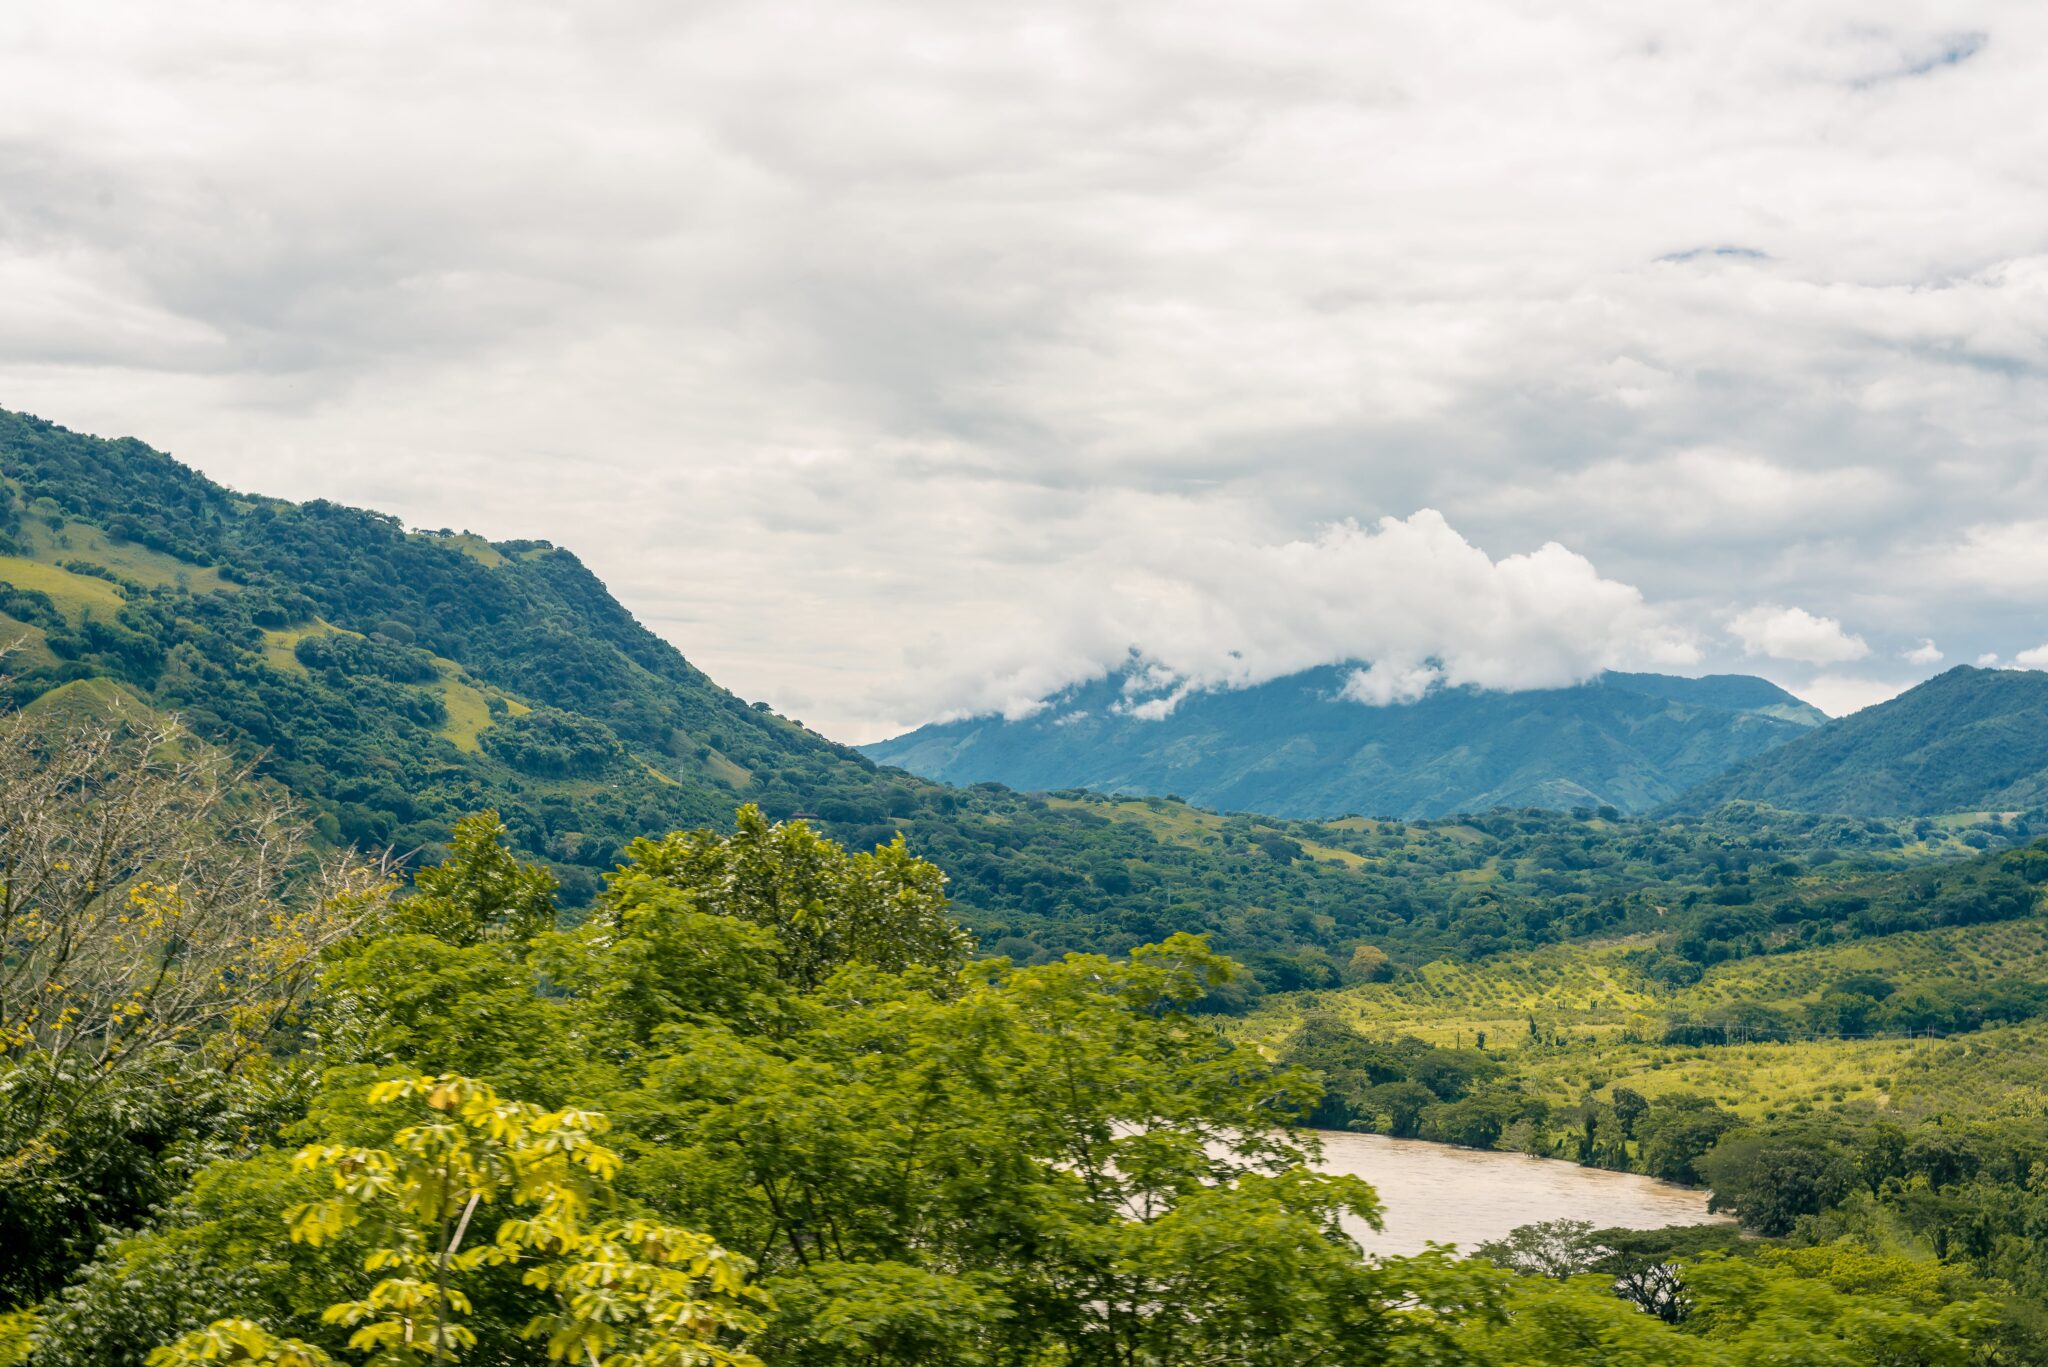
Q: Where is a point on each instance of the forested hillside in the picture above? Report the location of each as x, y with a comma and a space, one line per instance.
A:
1969, 740
1299, 747
713, 1088
398, 680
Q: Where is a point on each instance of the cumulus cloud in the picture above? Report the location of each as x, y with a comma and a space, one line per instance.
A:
866, 366
1926, 653
1795, 634
2035, 658
1410, 599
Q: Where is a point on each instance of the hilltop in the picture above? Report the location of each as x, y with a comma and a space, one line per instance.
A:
1298, 747
1969, 740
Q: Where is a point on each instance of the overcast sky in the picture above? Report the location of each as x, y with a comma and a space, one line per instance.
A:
897, 360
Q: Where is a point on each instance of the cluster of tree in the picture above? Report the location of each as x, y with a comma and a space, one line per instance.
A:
1965, 1197
1742, 919
1867, 1004
760, 1106
1689, 1276
1409, 1089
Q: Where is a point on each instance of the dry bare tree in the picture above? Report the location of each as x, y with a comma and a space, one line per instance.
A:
154, 902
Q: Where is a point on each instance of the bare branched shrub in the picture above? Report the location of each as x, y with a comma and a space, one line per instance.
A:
153, 901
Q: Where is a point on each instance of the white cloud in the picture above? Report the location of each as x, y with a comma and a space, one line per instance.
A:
2036, 658
1926, 653
1212, 606
1987, 660
1382, 685
1795, 634
2006, 560
1840, 694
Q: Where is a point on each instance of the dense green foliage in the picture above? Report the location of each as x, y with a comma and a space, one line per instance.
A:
1297, 747
1967, 740
693, 1129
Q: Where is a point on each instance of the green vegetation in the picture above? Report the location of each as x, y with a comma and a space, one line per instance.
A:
1970, 740
1888, 1091
394, 681
756, 1109
619, 1076
1297, 747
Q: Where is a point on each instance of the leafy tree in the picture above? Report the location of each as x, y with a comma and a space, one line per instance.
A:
1771, 1181
1630, 1106
159, 924
1559, 1249
826, 907
481, 891
1369, 964
618, 1293
1676, 1132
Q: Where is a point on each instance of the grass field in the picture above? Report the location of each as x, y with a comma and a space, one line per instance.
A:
90, 700
278, 646
475, 547
1195, 828
152, 569
73, 594
469, 707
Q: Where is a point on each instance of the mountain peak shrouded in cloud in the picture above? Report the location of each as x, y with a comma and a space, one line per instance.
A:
1410, 596
1303, 746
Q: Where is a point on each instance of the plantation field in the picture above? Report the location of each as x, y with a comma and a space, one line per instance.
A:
1570, 1020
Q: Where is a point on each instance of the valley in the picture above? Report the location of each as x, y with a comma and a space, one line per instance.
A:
1614, 954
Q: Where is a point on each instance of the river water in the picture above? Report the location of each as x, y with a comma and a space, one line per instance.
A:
1434, 1193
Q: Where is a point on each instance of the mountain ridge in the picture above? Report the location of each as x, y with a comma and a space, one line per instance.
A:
1968, 739
1297, 747
397, 680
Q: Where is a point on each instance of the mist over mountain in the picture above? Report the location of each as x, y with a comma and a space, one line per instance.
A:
1299, 746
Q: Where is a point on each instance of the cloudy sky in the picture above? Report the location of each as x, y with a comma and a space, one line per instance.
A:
898, 359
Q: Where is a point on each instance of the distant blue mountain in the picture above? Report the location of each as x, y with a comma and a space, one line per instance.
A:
1296, 747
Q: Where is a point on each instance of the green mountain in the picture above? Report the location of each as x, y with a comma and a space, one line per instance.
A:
396, 680
1969, 740
1297, 747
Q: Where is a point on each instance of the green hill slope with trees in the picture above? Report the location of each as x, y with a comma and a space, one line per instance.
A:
1969, 740
1298, 747
398, 680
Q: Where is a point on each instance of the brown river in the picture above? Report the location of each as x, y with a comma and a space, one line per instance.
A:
1434, 1193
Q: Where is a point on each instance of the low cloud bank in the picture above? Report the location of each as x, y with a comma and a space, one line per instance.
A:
1412, 596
